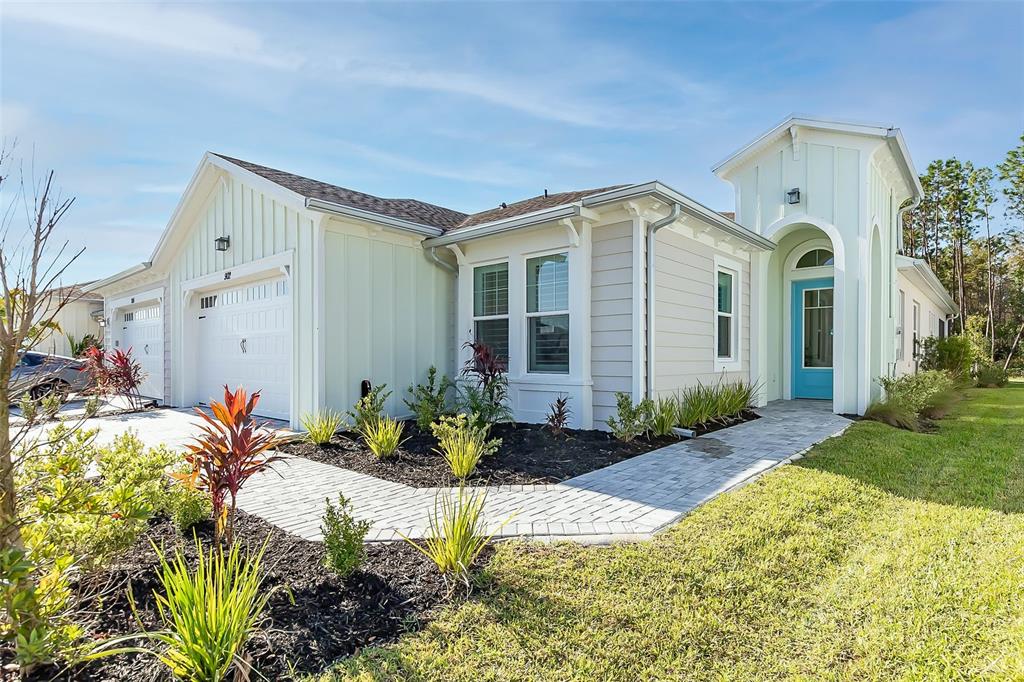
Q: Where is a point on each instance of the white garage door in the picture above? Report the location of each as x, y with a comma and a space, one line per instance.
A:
245, 340
142, 331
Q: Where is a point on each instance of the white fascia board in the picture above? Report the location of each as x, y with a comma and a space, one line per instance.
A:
332, 208
899, 148
802, 121
688, 205
114, 279
494, 227
928, 277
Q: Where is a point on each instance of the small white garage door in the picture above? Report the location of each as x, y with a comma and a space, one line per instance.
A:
142, 331
244, 336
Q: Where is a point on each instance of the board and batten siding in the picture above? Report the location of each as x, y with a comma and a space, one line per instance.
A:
685, 307
389, 315
611, 305
74, 319
259, 226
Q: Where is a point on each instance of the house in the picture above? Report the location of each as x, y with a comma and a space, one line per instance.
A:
79, 317
303, 289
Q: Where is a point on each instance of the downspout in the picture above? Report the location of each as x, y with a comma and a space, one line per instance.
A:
651, 230
432, 253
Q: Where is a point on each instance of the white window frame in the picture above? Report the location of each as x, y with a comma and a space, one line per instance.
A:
485, 318
734, 363
547, 313
901, 322
916, 321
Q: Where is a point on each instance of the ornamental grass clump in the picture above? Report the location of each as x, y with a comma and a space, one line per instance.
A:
666, 414
456, 536
369, 408
321, 426
208, 614
463, 444
383, 436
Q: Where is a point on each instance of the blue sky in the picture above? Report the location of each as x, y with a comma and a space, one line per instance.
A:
469, 105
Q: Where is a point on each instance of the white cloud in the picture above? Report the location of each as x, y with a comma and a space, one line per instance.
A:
177, 28
489, 174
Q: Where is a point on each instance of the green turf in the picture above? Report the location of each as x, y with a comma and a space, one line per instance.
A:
884, 554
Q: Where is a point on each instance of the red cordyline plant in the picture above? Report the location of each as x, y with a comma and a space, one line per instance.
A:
116, 371
231, 449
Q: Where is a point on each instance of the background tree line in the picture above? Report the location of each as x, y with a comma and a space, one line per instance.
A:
977, 254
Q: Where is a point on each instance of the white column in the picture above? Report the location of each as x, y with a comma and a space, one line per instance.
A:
759, 324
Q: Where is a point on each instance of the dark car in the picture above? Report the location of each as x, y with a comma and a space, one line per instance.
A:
39, 374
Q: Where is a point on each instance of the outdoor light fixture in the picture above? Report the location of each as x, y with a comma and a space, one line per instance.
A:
222, 243
793, 196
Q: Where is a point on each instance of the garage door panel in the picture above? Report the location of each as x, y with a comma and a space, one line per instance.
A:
142, 332
245, 340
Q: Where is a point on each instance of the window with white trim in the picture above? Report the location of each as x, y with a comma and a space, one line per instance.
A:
490, 307
900, 326
916, 321
547, 314
726, 327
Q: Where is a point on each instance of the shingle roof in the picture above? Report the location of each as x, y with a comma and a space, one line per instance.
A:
731, 215
405, 209
410, 209
530, 205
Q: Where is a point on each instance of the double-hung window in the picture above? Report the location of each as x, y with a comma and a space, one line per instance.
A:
547, 314
726, 331
490, 307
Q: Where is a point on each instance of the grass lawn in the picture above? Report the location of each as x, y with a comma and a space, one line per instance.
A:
884, 554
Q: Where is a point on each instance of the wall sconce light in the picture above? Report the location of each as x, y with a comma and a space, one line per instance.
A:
222, 243
793, 196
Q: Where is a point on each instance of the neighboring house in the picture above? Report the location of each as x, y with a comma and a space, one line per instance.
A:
304, 290
80, 317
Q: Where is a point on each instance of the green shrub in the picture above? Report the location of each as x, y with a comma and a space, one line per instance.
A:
991, 375
893, 413
631, 421
735, 397
666, 416
369, 408
456, 535
29, 408
343, 538
702, 404
383, 436
429, 400
463, 444
187, 506
207, 614
50, 404
483, 410
917, 392
321, 426
92, 406
88, 501
952, 354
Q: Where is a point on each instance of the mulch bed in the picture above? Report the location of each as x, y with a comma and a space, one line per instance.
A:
395, 591
529, 453
711, 427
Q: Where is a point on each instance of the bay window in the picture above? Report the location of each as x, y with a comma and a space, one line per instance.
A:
547, 314
490, 307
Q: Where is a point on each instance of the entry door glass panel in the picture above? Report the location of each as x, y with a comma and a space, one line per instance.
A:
818, 328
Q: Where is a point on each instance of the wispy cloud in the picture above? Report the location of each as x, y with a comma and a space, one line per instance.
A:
496, 173
170, 27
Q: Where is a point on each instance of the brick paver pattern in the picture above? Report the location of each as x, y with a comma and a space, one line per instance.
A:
629, 500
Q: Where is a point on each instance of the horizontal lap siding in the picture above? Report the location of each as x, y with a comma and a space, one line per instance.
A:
685, 313
611, 308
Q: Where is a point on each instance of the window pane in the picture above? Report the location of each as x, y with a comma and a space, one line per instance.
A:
495, 334
724, 292
815, 258
825, 297
724, 336
490, 290
549, 343
811, 298
818, 337
547, 283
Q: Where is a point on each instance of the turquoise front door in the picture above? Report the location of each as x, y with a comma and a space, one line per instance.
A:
812, 338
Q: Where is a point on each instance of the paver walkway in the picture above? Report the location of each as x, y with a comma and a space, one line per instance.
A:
629, 500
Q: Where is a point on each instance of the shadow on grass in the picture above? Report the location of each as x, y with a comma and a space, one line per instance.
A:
974, 458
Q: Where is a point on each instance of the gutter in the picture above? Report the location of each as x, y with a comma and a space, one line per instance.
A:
432, 254
651, 230
494, 227
333, 208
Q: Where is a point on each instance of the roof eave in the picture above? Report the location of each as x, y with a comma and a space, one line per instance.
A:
504, 225
114, 279
334, 208
929, 277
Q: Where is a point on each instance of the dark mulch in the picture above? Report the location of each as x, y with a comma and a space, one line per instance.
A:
726, 422
529, 453
395, 592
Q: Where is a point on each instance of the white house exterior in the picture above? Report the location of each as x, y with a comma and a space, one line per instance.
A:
79, 317
923, 310
305, 290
